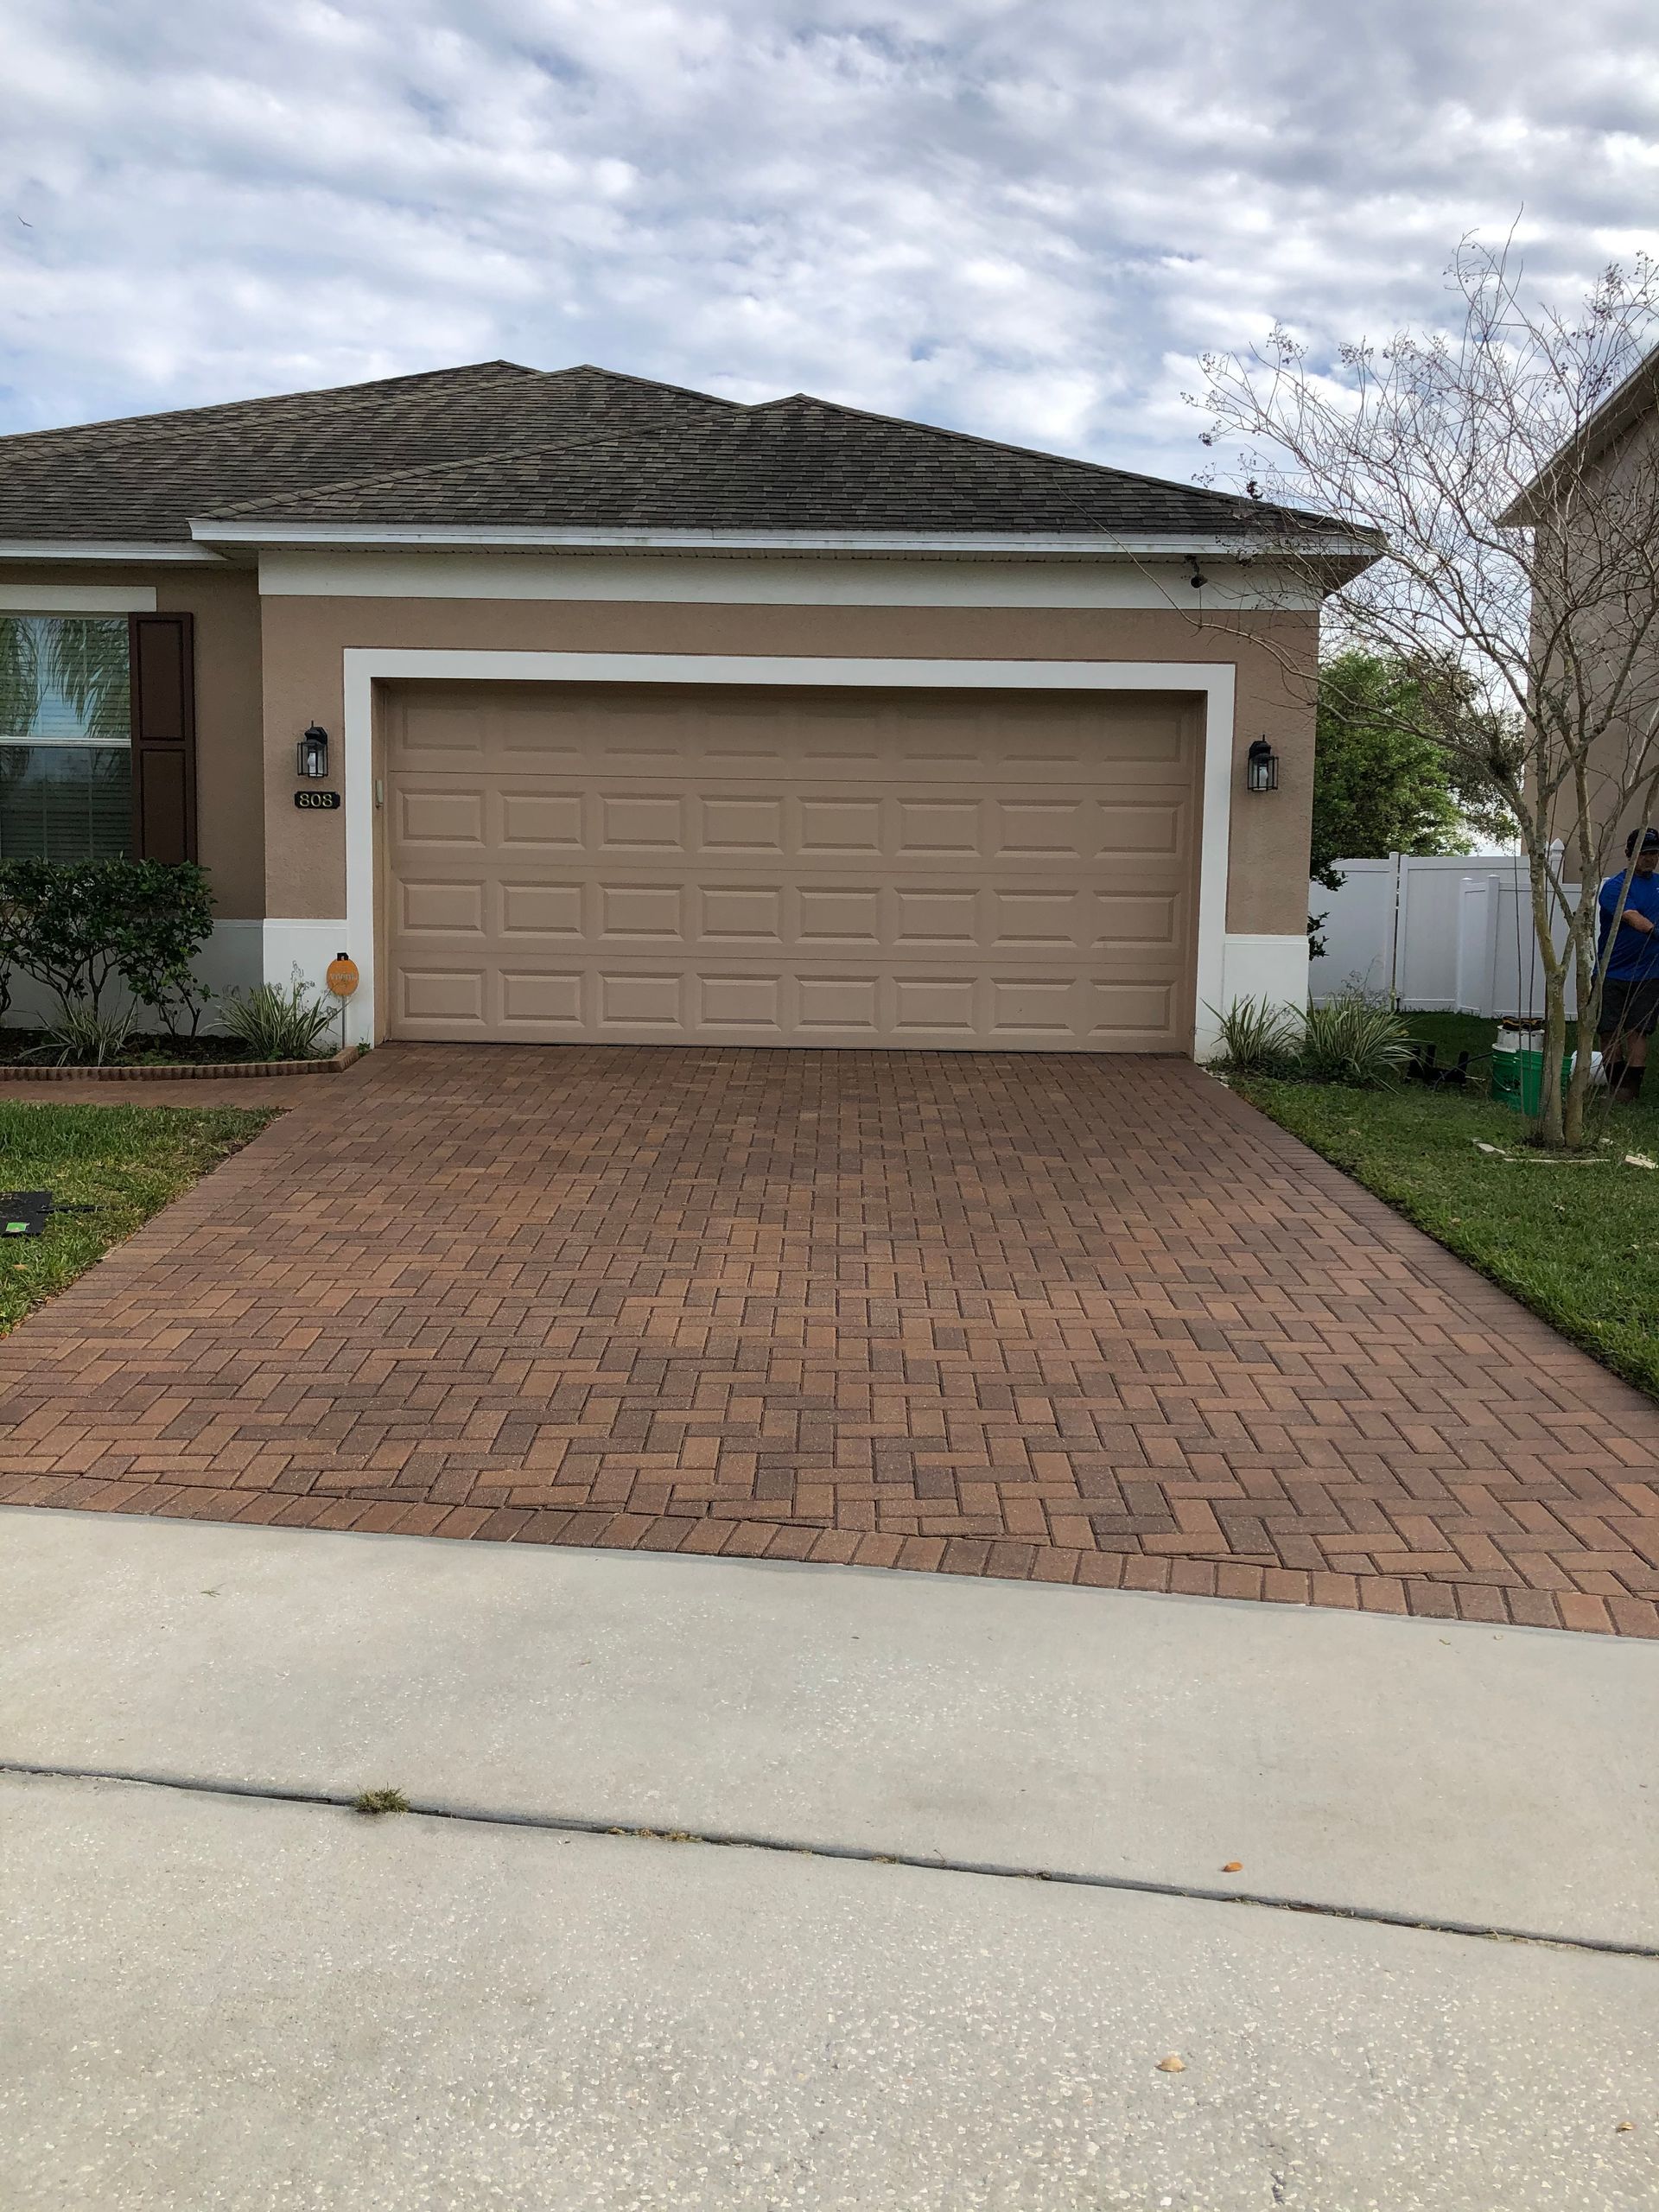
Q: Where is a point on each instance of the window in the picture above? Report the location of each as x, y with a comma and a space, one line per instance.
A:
65, 738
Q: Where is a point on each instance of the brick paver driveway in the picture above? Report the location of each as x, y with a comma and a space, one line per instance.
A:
1074, 1319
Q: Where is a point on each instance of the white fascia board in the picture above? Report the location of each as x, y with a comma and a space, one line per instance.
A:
83, 549
775, 580
955, 544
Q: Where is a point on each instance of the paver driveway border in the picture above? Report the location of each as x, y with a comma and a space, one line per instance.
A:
1052, 1317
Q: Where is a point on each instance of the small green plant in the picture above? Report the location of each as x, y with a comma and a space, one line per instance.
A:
1353, 1039
1259, 1037
376, 1801
277, 1023
81, 1036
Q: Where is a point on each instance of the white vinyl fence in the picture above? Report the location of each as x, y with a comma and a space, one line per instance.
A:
1452, 934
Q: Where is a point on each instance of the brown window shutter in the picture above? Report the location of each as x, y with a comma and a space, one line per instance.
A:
163, 736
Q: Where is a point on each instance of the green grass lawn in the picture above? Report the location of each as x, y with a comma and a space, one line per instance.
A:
1578, 1243
125, 1162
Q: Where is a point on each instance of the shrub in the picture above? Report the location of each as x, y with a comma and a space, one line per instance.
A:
1355, 1041
166, 917
1258, 1037
78, 926
81, 1036
276, 1024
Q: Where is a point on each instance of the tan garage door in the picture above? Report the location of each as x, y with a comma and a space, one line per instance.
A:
651, 864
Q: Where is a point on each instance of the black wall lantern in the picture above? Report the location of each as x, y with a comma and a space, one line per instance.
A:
314, 754
1261, 767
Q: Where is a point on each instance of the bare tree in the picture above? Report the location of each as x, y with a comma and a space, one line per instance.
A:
1510, 466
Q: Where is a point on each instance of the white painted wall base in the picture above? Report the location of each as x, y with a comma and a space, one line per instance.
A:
306, 948
238, 955
1252, 966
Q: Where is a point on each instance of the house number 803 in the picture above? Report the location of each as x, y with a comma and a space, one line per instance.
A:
317, 802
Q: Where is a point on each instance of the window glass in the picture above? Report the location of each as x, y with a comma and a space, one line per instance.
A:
65, 802
66, 767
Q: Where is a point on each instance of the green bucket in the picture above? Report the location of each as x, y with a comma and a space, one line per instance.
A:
1518, 1079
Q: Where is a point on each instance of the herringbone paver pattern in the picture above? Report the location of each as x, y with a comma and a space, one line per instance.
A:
1058, 1316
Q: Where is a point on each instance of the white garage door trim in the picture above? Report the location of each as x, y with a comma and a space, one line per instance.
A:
365, 666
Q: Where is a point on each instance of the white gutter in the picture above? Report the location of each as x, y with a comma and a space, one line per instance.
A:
85, 549
1080, 544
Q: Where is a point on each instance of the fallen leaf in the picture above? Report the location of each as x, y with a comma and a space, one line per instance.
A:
1639, 1160
1625, 2127
1171, 2064
1234, 1866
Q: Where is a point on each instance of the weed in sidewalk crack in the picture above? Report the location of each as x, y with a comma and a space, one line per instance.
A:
376, 1801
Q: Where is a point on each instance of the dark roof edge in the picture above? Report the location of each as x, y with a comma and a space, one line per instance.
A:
1098, 542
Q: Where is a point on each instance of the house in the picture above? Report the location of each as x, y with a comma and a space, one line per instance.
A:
1594, 508
639, 715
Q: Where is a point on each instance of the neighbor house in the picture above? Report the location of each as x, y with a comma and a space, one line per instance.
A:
637, 715
1594, 508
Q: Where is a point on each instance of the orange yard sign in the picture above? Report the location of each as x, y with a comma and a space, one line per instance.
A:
342, 976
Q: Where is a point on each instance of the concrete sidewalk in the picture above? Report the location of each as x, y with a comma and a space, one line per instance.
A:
1498, 1777
220, 2005
242, 2002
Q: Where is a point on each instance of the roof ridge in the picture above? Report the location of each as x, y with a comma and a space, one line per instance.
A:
1002, 445
167, 417
646, 383
273, 502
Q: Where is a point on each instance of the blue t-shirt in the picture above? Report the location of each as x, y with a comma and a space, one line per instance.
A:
1635, 957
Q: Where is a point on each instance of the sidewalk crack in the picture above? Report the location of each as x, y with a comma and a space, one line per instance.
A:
859, 1854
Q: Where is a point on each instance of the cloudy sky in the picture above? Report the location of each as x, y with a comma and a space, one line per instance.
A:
1021, 217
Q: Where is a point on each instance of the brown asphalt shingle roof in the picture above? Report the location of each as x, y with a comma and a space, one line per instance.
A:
579, 449
142, 479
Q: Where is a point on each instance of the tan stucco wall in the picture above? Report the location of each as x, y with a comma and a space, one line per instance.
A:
1616, 500
229, 711
304, 640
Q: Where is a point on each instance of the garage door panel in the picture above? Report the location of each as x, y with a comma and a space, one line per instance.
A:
939, 829
935, 916
836, 1009
440, 817
634, 911
536, 1000
742, 914
651, 822
448, 993
838, 917
552, 820
449, 909
743, 823
1128, 918
822, 868
1027, 920
541, 910
643, 1002
1034, 1006
1130, 829
1124, 1016
754, 1003
1054, 828
833, 828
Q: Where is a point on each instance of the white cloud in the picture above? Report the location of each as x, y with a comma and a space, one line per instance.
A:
1025, 217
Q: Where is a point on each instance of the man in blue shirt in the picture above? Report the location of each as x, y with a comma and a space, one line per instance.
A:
1629, 967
